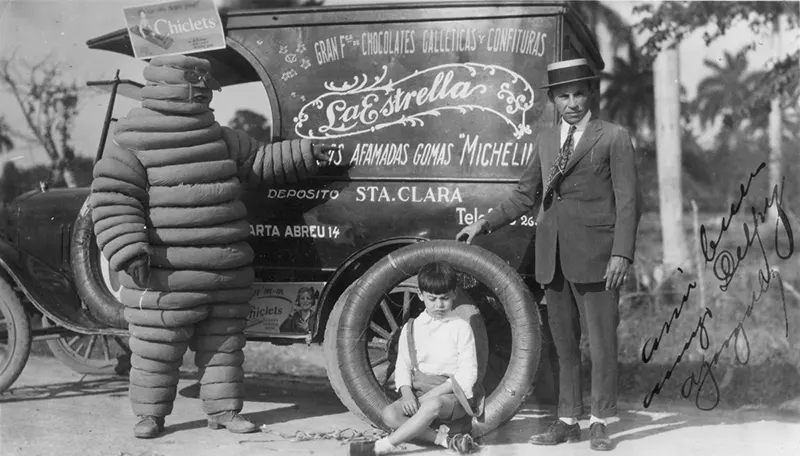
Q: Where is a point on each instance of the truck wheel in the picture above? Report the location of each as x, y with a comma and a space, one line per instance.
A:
369, 316
95, 286
96, 354
15, 336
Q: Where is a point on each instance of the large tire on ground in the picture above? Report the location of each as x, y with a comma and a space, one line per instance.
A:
332, 366
95, 290
363, 312
15, 336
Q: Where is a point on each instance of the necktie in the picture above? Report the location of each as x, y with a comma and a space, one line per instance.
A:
563, 156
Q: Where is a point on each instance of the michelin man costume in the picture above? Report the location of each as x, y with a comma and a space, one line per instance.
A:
168, 216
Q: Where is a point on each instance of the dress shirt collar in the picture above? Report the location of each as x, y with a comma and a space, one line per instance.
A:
580, 126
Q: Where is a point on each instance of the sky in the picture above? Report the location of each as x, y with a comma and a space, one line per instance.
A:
36, 29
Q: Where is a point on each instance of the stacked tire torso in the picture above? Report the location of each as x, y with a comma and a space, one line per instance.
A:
168, 188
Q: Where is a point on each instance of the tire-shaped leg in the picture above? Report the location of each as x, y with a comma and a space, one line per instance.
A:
513, 295
15, 336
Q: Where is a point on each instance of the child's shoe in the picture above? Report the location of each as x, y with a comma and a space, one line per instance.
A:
362, 449
462, 443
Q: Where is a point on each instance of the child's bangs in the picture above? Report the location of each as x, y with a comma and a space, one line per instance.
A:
437, 278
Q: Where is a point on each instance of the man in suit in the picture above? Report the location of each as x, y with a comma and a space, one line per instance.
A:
584, 175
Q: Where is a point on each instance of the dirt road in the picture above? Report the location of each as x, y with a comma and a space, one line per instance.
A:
50, 411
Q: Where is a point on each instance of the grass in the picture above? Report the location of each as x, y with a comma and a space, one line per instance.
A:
770, 373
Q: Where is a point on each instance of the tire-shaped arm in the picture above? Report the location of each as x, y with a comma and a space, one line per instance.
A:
267, 165
118, 201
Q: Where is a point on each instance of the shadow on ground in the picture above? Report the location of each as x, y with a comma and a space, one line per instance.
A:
630, 424
86, 386
297, 398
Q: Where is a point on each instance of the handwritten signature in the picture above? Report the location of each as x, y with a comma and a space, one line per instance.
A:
725, 266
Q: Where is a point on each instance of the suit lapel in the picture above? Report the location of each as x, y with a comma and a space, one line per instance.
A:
593, 132
552, 140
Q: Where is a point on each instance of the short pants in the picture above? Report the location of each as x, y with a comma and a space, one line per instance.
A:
451, 408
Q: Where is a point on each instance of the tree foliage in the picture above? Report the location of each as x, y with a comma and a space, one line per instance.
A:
725, 90
669, 23
252, 123
6, 141
629, 98
49, 104
595, 12
15, 181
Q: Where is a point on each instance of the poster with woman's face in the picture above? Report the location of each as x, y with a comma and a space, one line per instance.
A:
284, 308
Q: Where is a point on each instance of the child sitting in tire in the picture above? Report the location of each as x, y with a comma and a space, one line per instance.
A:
436, 358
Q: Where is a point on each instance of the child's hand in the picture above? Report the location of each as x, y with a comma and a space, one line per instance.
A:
410, 405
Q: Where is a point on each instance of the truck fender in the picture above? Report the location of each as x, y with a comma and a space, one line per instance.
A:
350, 270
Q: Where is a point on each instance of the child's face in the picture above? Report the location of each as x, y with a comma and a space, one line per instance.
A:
437, 306
306, 301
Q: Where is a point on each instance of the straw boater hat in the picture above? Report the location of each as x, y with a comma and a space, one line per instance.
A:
568, 71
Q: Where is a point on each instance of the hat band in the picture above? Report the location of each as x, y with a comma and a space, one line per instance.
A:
562, 75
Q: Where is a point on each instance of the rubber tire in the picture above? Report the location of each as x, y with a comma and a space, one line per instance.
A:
19, 326
86, 273
518, 302
333, 365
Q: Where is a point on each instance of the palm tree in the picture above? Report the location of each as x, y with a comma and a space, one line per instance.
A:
595, 13
669, 158
726, 90
629, 97
759, 117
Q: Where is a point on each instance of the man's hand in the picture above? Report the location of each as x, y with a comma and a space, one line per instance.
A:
410, 404
139, 269
616, 272
470, 232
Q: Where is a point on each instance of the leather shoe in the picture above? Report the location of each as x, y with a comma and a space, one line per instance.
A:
558, 432
362, 449
149, 427
231, 421
462, 444
599, 437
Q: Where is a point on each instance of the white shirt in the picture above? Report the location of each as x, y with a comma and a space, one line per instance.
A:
444, 347
580, 127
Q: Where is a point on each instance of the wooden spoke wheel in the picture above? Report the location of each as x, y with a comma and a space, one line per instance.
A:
96, 354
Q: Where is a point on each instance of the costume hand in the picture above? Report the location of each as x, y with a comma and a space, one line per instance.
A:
139, 269
299, 158
409, 405
471, 231
321, 153
616, 271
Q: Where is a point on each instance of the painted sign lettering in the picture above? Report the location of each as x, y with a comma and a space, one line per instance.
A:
367, 105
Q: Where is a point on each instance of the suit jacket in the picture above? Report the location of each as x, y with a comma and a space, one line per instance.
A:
591, 214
